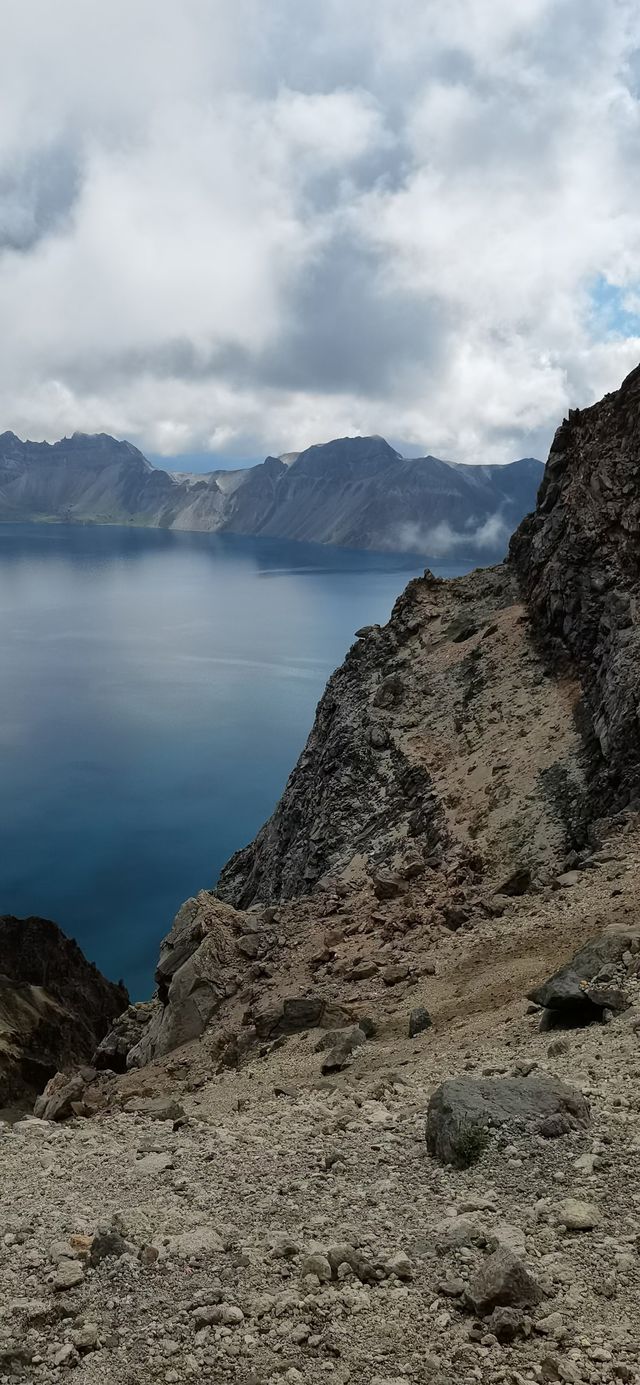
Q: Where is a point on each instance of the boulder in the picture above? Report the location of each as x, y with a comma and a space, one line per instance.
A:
502, 1281
343, 1043
349, 1038
111, 1054
573, 995
158, 1108
59, 1097
300, 1012
394, 974
577, 1215
386, 883
198, 968
297, 1013
519, 1104
419, 1020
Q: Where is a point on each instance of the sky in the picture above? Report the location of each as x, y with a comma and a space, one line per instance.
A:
232, 228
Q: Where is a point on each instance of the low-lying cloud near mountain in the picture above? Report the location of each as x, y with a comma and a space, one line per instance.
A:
245, 227
490, 536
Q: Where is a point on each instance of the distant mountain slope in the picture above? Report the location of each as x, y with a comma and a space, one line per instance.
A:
357, 492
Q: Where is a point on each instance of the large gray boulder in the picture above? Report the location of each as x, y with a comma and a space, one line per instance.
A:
199, 967
519, 1104
202, 962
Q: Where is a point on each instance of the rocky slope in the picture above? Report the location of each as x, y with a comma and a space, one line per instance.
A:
54, 1006
357, 492
380, 1122
444, 733
500, 708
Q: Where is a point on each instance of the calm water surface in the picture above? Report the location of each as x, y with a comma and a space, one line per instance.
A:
155, 691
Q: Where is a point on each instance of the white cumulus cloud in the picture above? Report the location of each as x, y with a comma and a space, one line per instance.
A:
250, 227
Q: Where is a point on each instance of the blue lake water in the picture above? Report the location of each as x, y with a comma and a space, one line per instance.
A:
155, 691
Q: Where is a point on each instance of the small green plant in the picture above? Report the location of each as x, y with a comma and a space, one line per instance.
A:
469, 1144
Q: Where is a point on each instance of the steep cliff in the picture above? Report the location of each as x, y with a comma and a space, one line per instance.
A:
501, 709
578, 561
442, 733
54, 1005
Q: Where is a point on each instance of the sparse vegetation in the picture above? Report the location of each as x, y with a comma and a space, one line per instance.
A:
470, 1144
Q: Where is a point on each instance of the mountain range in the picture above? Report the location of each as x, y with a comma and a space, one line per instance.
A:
355, 492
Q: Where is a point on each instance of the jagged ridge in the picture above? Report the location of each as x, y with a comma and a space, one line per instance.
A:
357, 492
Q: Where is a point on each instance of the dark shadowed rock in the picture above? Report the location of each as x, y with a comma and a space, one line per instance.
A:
419, 1020
517, 1103
127, 1031
389, 694
107, 1243
506, 1324
296, 1013
503, 1281
56, 1006
386, 883
516, 884
574, 995
577, 558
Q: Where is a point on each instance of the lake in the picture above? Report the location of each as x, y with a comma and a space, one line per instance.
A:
155, 691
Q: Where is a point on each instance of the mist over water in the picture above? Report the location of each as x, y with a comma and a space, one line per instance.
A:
155, 691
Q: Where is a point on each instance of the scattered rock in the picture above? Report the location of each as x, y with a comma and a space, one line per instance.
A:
107, 1243
68, 1275
158, 1108
506, 1324
503, 1281
577, 1215
419, 1020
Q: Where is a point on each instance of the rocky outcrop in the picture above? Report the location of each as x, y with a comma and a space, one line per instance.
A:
517, 686
354, 789
54, 1005
202, 961
581, 992
578, 561
357, 492
441, 739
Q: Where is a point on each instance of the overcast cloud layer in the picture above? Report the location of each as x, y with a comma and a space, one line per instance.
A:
246, 226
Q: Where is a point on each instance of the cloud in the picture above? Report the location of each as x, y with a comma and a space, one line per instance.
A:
441, 540
254, 227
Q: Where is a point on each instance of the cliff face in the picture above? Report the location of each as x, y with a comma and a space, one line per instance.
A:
534, 664
55, 1007
578, 561
442, 736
